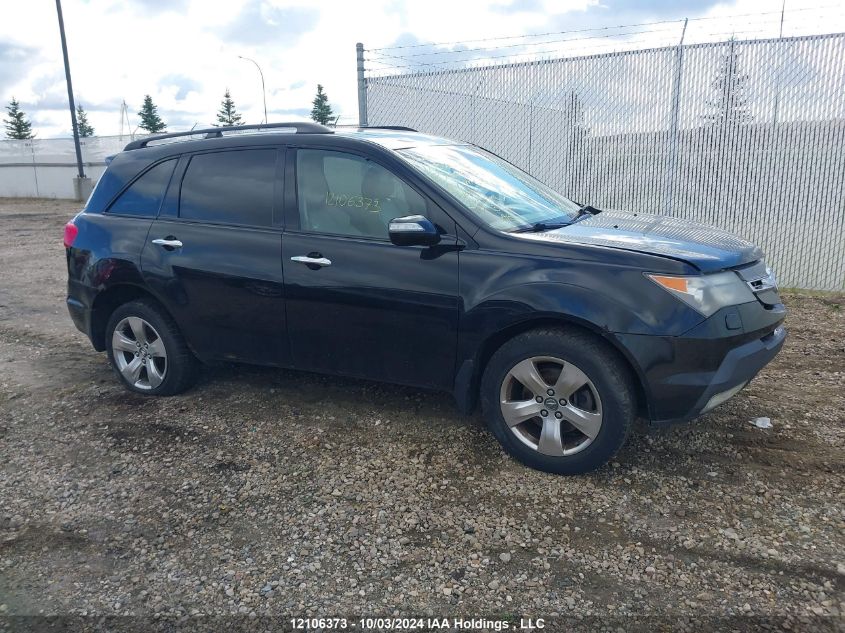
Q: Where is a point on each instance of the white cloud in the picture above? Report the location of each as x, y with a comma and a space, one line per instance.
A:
185, 53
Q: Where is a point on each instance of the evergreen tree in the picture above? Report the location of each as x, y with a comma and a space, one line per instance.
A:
322, 111
85, 129
150, 120
729, 104
17, 126
227, 115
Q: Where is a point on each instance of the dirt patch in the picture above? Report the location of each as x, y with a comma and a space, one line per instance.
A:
246, 496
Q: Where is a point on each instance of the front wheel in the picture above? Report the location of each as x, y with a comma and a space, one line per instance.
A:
147, 351
558, 401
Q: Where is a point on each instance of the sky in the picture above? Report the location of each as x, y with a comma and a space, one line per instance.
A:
185, 53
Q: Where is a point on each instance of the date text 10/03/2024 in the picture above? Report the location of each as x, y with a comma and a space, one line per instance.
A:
411, 624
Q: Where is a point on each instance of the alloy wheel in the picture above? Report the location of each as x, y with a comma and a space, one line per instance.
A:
551, 406
139, 353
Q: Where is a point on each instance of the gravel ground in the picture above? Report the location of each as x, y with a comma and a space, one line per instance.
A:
247, 496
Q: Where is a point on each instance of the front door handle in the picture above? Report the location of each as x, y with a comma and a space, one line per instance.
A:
312, 261
168, 242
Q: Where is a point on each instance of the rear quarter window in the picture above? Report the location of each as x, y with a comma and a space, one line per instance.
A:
107, 186
143, 197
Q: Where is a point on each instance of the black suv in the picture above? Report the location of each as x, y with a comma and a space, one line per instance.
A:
401, 257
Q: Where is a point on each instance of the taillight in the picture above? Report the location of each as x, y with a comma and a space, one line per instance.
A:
71, 231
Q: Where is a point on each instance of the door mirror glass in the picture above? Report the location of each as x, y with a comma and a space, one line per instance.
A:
413, 230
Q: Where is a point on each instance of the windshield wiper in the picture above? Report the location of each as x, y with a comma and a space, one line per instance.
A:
539, 227
586, 210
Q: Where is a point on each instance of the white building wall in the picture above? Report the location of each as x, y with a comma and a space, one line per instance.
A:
46, 168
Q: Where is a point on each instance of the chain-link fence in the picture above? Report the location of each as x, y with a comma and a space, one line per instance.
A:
745, 135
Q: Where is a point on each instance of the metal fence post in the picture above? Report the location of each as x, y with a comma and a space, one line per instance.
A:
362, 86
672, 165
779, 66
34, 168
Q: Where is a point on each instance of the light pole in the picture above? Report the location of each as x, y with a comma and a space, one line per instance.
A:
263, 91
81, 176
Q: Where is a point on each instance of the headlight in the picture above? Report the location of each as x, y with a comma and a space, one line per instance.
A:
707, 293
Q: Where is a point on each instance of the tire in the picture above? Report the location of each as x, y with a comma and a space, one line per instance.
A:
165, 366
603, 407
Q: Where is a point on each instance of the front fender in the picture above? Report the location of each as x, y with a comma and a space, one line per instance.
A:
607, 308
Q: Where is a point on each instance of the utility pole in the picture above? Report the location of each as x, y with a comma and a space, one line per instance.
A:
263, 91
124, 116
81, 183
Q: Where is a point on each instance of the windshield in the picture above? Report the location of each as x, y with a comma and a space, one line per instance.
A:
500, 194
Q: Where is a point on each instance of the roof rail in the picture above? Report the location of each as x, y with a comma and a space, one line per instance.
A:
398, 128
299, 127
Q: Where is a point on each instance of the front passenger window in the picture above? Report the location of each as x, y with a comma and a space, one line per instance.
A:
347, 195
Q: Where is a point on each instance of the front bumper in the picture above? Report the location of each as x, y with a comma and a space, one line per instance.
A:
737, 369
686, 376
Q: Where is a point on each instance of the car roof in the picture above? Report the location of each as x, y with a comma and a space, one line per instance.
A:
395, 139
389, 138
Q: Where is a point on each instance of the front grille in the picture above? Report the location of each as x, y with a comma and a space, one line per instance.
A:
769, 282
762, 282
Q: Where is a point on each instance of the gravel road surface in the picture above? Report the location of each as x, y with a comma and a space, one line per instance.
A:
270, 494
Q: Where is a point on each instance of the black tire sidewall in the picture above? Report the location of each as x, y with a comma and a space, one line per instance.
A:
601, 368
168, 335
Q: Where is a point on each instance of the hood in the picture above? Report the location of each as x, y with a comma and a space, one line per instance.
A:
706, 248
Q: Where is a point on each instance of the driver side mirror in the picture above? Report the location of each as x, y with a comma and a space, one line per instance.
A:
413, 230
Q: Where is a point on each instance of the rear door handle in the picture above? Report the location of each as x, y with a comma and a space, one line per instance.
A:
167, 242
312, 261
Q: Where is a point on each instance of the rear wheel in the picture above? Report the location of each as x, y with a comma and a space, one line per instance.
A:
559, 401
147, 351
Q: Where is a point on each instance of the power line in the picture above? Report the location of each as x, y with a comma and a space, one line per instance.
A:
384, 58
387, 66
385, 63
604, 28
544, 43
513, 37
380, 58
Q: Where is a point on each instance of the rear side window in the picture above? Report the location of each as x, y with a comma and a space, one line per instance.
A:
234, 187
143, 197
